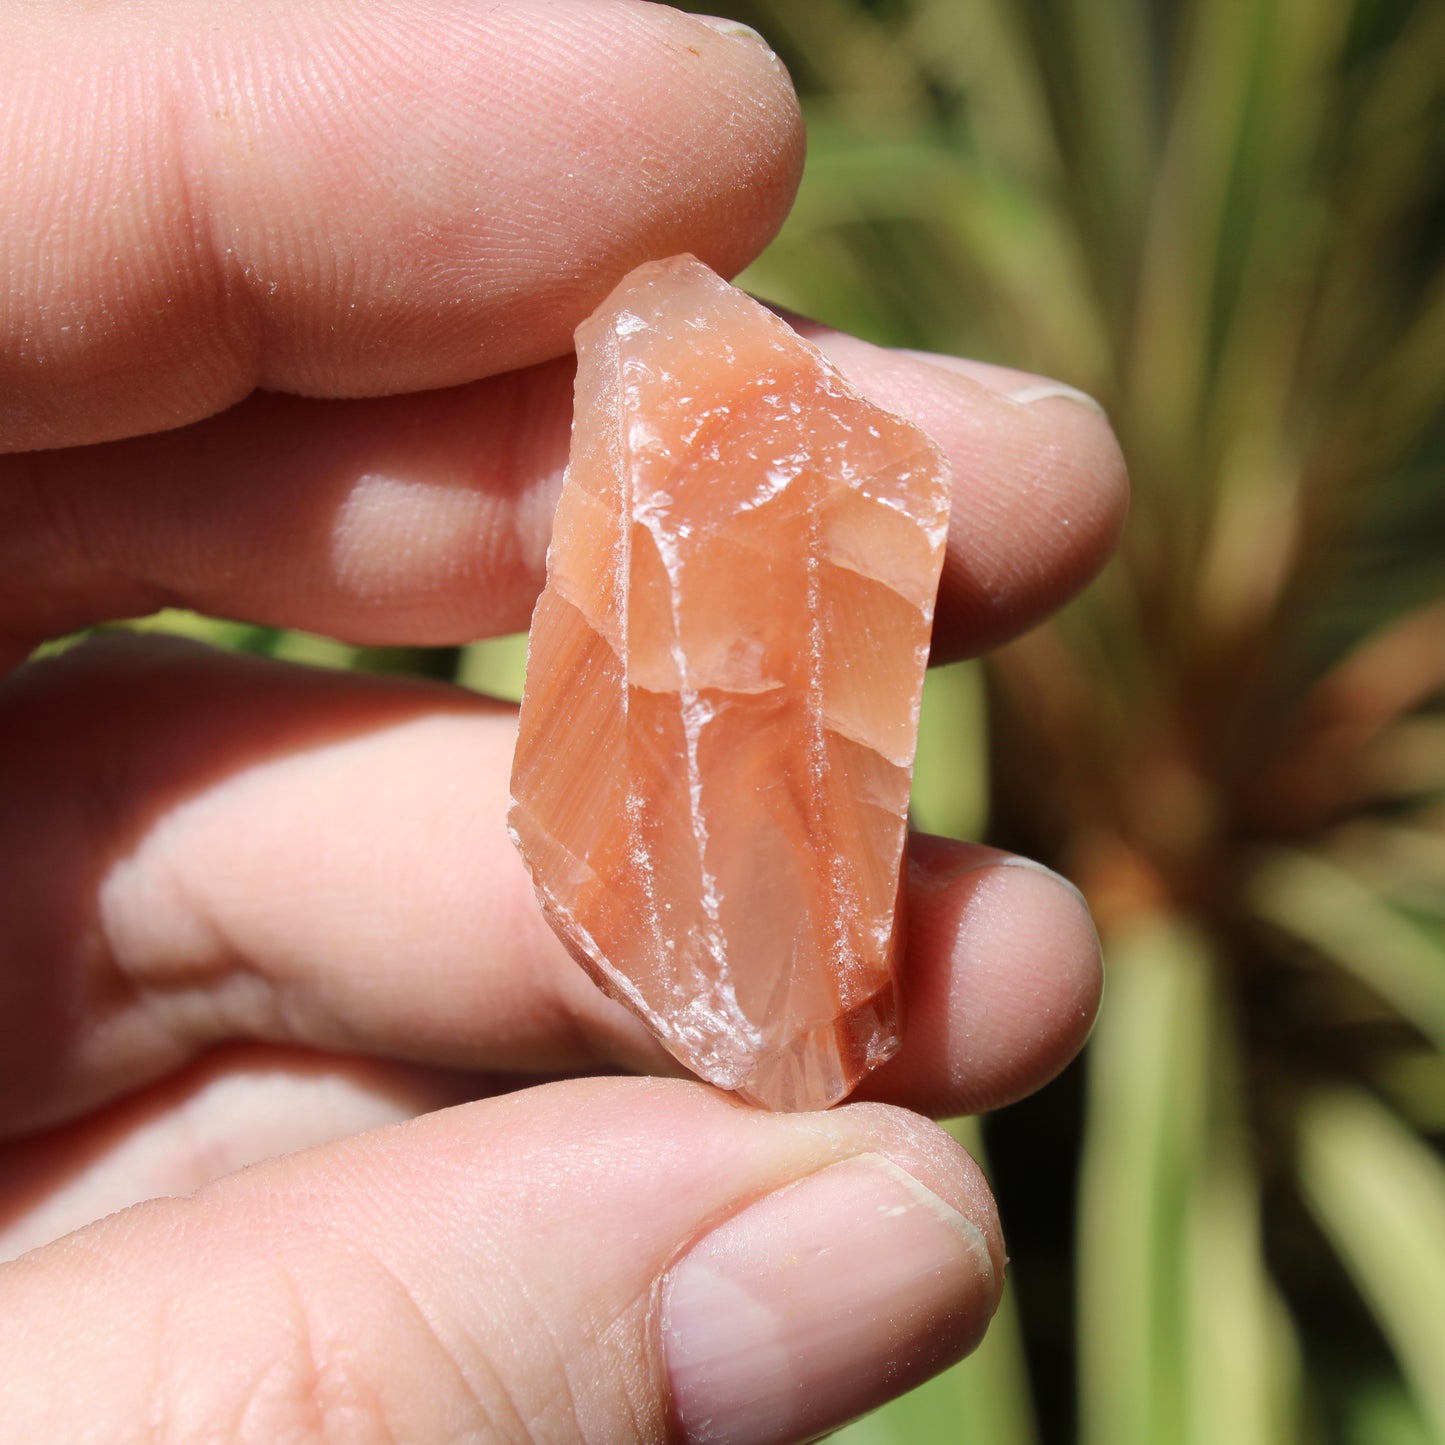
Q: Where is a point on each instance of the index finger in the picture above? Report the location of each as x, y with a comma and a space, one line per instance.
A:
353, 199
425, 519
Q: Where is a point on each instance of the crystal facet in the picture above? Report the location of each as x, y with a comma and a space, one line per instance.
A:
712, 775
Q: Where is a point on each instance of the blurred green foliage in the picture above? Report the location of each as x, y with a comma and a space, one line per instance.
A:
1224, 219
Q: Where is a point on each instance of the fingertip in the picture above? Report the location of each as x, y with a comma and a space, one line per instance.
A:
820, 1302
757, 179
1004, 980
1040, 484
554, 146
1040, 498
915, 1143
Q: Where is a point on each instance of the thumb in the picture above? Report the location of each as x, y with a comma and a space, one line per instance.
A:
605, 1260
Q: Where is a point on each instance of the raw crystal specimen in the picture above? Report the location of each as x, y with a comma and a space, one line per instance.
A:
711, 781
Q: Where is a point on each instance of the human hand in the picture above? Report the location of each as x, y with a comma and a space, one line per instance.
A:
248, 908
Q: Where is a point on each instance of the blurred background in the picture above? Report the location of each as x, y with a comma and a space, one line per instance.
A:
1224, 219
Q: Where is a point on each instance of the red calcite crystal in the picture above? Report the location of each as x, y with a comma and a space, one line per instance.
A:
712, 776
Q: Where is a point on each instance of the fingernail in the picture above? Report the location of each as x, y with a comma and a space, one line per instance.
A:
940, 870
1007, 382
820, 1302
734, 28
1050, 390
1014, 861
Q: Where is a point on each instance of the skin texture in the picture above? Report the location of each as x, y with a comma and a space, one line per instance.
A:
247, 908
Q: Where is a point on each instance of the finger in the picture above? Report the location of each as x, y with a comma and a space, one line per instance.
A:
1040, 489
237, 1106
426, 519
401, 922
320, 858
603, 1260
1003, 980
353, 199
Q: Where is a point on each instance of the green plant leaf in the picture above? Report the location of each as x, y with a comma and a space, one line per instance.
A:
1183, 1335
950, 775
1243, 1360
496, 666
1148, 1067
1351, 923
1379, 1194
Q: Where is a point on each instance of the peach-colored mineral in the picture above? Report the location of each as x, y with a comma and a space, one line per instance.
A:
711, 782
